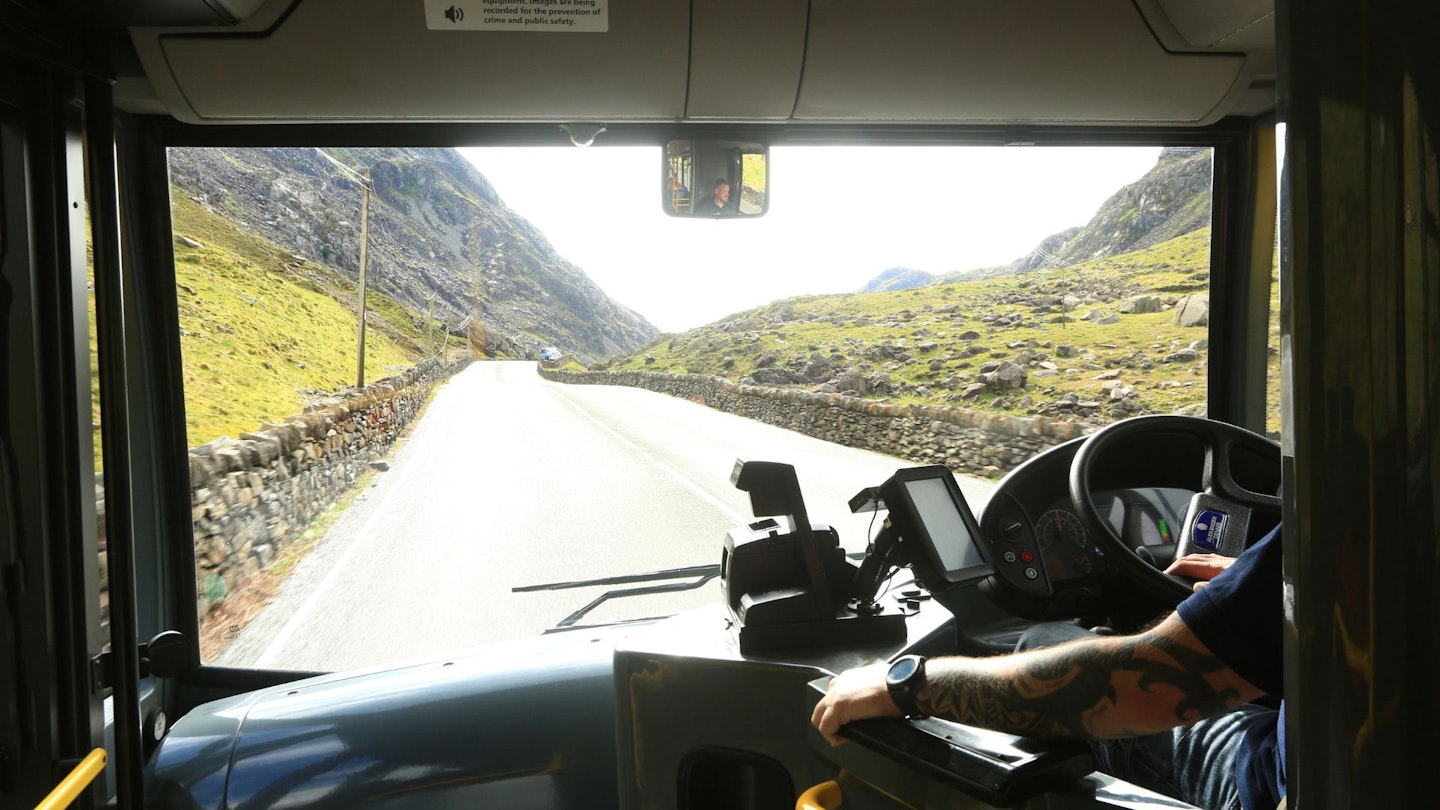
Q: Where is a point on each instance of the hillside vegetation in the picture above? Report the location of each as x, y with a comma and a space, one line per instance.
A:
262, 331
1095, 339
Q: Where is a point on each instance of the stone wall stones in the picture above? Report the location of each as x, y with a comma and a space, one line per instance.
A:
973, 442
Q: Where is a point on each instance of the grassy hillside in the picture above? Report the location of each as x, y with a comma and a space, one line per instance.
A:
932, 341
262, 330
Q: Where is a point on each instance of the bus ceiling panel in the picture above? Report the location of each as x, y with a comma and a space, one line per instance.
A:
384, 61
1027, 61
1217, 24
182, 12
743, 68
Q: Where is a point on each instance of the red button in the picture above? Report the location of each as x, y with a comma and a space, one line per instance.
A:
1027, 556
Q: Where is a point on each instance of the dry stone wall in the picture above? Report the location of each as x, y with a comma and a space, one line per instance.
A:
253, 496
971, 442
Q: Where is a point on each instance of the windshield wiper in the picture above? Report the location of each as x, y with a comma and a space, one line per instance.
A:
702, 574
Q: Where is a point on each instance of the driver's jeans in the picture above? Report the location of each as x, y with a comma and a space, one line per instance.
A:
1196, 764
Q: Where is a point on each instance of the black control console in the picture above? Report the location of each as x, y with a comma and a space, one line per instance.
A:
1017, 557
787, 582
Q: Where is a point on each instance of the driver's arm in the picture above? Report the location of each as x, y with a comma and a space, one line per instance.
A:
1106, 686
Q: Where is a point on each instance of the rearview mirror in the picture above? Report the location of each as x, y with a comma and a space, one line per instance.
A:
714, 178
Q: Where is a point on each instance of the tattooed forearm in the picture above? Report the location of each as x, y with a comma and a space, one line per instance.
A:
1101, 687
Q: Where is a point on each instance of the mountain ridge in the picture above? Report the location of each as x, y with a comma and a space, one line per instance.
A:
442, 241
1170, 200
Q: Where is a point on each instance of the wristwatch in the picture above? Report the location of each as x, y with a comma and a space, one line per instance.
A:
904, 679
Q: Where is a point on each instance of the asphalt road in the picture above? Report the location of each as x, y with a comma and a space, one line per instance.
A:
511, 480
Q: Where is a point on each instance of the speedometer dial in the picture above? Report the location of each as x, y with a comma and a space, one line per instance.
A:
1063, 545
1058, 527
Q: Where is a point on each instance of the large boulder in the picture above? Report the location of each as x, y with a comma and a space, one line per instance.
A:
1141, 305
851, 380
775, 376
1193, 310
818, 368
1008, 377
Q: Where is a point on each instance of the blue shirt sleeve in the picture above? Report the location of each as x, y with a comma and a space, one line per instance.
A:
1239, 615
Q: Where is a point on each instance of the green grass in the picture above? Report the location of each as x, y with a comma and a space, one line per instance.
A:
261, 331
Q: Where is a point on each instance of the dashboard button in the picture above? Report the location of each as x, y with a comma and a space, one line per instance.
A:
1031, 573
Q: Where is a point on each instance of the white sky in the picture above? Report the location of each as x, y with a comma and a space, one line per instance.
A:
838, 217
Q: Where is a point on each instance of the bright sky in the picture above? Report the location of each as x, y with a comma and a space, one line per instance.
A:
838, 217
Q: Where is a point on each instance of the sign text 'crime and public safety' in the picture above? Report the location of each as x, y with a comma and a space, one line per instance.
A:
587, 16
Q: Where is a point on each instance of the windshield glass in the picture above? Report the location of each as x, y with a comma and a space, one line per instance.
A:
552, 379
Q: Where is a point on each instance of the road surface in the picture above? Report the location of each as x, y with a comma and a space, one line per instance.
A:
512, 480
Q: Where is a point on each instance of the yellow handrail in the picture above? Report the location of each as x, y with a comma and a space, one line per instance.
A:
824, 796
79, 779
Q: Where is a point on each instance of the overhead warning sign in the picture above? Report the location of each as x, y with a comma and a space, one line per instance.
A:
587, 16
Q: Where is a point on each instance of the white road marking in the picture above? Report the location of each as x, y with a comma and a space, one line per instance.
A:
735, 517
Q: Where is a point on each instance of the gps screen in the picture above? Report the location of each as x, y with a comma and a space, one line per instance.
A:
936, 508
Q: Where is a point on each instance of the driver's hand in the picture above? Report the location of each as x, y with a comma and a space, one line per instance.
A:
855, 694
1200, 567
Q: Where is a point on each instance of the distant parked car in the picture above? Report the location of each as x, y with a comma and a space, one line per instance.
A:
550, 354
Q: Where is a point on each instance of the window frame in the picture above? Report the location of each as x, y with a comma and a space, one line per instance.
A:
1232, 140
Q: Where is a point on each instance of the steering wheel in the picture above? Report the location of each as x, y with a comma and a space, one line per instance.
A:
1218, 519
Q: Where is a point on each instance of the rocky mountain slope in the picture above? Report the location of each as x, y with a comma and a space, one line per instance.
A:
1171, 200
1094, 341
441, 241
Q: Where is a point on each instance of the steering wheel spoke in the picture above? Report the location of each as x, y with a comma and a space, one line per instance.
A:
1219, 479
1220, 514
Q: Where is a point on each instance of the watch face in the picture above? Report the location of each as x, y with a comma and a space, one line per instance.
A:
903, 669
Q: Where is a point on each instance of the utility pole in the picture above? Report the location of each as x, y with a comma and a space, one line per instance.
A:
364, 179
364, 244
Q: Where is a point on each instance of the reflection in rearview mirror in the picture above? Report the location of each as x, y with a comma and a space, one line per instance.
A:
714, 178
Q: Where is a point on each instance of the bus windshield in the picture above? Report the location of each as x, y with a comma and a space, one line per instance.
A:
418, 379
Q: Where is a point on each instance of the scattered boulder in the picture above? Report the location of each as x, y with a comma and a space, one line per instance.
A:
1008, 377
818, 368
1141, 305
1193, 310
775, 376
849, 381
